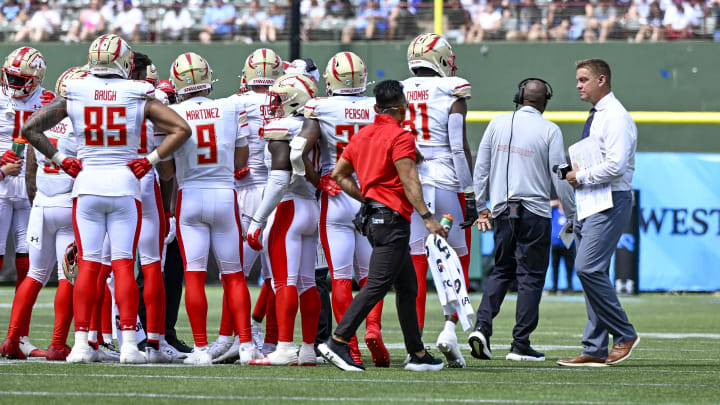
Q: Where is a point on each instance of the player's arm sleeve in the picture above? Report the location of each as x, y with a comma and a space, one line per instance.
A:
563, 188
482, 167
277, 185
456, 132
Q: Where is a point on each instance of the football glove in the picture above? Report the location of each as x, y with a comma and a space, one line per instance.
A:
47, 97
328, 185
140, 167
471, 214
170, 225
72, 166
240, 174
254, 235
9, 157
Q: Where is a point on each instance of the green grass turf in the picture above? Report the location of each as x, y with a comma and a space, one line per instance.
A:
678, 361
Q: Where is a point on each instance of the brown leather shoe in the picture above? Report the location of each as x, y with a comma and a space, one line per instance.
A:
582, 360
621, 351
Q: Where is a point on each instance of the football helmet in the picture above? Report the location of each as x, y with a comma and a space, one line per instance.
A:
72, 73
304, 66
22, 72
345, 74
70, 262
433, 52
109, 54
262, 68
289, 94
152, 75
190, 73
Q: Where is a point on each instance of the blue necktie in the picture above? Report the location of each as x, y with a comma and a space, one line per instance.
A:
586, 129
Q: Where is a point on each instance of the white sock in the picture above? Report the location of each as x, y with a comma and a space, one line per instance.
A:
81, 339
255, 323
107, 337
224, 339
286, 346
129, 337
247, 346
450, 326
153, 337
92, 336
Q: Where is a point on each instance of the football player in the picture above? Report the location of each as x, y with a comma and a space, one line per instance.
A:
292, 215
107, 111
331, 122
207, 211
50, 231
436, 116
22, 94
260, 70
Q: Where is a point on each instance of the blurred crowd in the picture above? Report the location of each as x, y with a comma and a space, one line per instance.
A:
349, 20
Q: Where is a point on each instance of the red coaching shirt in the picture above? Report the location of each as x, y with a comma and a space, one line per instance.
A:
372, 152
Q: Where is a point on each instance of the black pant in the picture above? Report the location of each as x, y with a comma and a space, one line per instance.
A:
522, 251
173, 273
390, 265
569, 256
325, 322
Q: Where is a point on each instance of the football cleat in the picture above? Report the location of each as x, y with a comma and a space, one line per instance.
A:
200, 356
171, 351
55, 354
81, 353
129, 354
447, 345
306, 355
107, 352
11, 349
355, 352
29, 349
268, 348
218, 348
232, 354
247, 352
380, 354
157, 356
284, 355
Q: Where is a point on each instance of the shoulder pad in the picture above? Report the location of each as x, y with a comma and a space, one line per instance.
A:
277, 134
461, 88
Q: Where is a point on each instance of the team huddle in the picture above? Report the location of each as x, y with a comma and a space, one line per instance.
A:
114, 151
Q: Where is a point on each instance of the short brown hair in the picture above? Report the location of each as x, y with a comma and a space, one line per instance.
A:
596, 66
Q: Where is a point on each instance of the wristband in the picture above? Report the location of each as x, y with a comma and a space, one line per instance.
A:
58, 158
426, 215
154, 157
3, 173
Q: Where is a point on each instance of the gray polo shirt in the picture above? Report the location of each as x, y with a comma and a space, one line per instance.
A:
537, 146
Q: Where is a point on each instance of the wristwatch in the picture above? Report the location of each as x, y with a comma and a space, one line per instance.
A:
426, 215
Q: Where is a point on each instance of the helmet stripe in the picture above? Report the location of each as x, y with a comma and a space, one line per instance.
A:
431, 45
116, 54
309, 90
20, 55
352, 68
264, 53
415, 42
189, 59
102, 39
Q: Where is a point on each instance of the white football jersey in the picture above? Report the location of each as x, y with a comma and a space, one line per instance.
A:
54, 186
107, 116
14, 112
253, 103
286, 129
340, 117
207, 159
429, 102
149, 140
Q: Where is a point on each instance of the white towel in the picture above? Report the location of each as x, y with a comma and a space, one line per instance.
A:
449, 281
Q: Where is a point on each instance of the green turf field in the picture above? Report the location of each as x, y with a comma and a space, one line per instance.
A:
678, 361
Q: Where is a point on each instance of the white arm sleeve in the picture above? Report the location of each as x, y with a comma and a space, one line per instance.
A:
462, 168
275, 189
297, 146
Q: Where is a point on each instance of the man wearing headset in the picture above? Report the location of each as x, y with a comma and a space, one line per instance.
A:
516, 159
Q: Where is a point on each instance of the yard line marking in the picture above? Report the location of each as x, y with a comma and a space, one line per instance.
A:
658, 335
287, 398
358, 380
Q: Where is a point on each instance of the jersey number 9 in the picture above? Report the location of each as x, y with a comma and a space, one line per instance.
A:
206, 139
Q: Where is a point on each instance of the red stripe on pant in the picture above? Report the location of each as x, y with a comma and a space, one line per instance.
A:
286, 296
161, 219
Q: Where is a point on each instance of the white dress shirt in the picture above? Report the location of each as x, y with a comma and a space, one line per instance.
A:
616, 133
536, 146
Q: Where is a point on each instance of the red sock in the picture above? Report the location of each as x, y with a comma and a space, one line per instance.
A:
286, 310
227, 326
107, 318
100, 295
341, 297
25, 297
154, 296
465, 263
126, 292
84, 293
421, 268
372, 321
196, 305
239, 303
309, 314
261, 303
271, 322
22, 265
63, 314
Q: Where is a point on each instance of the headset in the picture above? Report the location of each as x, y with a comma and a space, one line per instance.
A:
520, 93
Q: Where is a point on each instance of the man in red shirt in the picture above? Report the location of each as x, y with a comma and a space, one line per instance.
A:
383, 157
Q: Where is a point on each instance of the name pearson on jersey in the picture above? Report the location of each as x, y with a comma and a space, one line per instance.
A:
357, 114
417, 95
106, 95
202, 114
